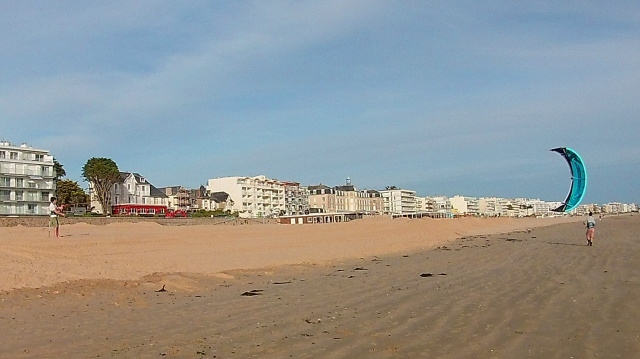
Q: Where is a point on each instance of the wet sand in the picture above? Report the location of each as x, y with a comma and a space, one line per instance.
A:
394, 289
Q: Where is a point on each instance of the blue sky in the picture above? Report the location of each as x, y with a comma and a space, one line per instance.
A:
447, 97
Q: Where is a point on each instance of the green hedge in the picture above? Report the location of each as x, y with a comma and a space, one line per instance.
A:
218, 213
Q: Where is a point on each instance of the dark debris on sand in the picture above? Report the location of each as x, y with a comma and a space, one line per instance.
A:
425, 275
252, 292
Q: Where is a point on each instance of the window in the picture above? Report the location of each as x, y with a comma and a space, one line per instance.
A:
14, 155
5, 195
45, 196
5, 181
31, 208
19, 182
39, 158
3, 155
19, 195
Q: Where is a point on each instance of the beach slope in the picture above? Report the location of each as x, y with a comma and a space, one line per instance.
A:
523, 291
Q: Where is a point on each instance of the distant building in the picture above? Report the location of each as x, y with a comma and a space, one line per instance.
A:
322, 197
539, 207
251, 197
399, 202
26, 180
370, 202
191, 200
296, 199
464, 205
345, 199
315, 218
492, 206
221, 201
178, 198
202, 199
133, 195
617, 208
438, 204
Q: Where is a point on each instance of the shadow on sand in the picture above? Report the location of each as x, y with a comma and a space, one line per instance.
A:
568, 244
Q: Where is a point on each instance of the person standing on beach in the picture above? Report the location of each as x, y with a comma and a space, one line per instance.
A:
591, 229
54, 211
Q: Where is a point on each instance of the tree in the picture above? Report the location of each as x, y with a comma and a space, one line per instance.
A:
59, 171
58, 168
102, 174
69, 192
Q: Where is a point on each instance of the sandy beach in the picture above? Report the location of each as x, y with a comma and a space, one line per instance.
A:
373, 288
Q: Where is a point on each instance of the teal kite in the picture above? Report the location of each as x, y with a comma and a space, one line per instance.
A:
578, 179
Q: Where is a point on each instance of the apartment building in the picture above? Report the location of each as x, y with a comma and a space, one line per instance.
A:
493, 206
399, 202
464, 205
345, 199
251, 197
349, 199
322, 198
615, 208
26, 180
133, 195
539, 207
296, 199
438, 204
370, 202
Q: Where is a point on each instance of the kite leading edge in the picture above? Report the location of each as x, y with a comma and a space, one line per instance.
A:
578, 179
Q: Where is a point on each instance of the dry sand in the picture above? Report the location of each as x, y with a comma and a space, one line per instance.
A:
371, 288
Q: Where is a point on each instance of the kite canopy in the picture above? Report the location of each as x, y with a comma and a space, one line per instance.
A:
578, 179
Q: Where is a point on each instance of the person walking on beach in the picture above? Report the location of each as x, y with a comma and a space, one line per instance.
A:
54, 211
591, 229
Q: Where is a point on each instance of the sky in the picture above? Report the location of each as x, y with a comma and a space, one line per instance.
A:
439, 97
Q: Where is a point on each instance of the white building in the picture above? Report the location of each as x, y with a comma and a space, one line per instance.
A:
616, 208
464, 205
438, 204
399, 202
540, 207
251, 197
26, 180
133, 194
492, 206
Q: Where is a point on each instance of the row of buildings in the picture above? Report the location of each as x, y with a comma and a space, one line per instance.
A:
27, 181
260, 197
